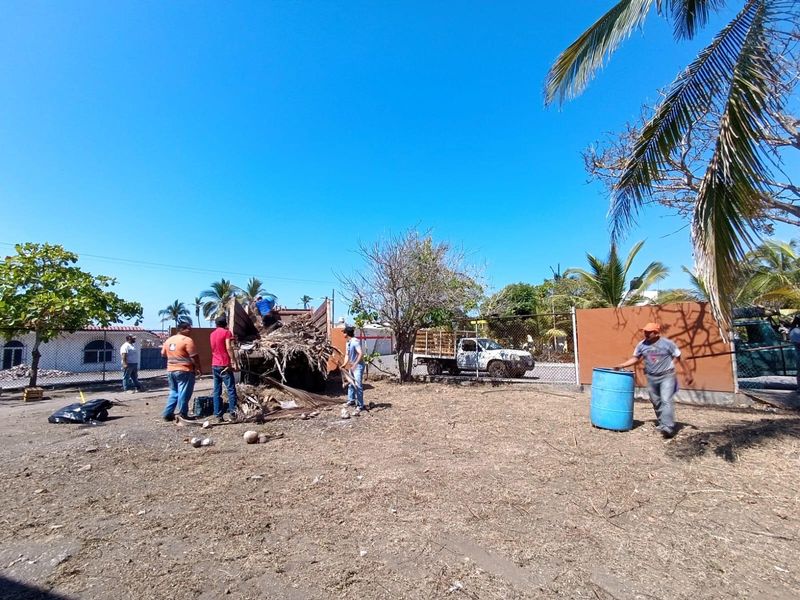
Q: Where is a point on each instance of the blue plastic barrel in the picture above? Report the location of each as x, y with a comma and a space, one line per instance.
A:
612, 399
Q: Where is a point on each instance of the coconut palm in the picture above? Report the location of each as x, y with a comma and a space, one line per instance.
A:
744, 76
774, 274
251, 291
305, 300
607, 280
217, 297
176, 311
198, 306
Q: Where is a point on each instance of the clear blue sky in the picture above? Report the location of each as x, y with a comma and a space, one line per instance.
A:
171, 144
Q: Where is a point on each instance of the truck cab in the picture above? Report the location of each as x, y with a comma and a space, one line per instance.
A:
484, 354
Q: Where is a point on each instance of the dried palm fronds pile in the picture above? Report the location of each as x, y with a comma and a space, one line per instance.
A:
299, 338
277, 401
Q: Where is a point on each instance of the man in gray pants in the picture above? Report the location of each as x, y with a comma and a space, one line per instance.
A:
658, 354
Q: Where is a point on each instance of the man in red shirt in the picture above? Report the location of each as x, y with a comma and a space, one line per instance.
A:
183, 363
223, 365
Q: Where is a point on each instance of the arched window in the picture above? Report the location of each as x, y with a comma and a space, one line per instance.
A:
12, 354
97, 351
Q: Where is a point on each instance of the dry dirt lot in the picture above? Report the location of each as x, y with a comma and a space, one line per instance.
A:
442, 491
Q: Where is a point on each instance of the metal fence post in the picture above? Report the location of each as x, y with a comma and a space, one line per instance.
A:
104, 354
477, 354
575, 346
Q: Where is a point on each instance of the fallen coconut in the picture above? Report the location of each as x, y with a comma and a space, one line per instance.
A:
345, 414
207, 442
251, 437
196, 442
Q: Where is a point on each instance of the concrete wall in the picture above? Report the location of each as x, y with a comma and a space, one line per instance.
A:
607, 336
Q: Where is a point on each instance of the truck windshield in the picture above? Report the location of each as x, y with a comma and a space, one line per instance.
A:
488, 344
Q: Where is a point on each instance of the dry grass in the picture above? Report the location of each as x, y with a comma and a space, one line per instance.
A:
441, 491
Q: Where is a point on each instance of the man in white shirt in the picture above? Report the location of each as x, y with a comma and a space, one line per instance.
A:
130, 365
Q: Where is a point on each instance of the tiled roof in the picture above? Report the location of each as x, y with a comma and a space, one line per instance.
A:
115, 328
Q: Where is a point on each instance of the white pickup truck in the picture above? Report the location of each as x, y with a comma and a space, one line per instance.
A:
446, 351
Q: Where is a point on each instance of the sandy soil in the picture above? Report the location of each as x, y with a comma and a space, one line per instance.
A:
441, 491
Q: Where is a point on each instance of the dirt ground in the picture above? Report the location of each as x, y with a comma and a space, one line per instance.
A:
440, 491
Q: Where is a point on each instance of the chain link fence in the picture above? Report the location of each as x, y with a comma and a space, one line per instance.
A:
536, 347
84, 356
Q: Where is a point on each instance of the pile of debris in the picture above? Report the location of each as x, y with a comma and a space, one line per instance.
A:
25, 371
297, 354
275, 400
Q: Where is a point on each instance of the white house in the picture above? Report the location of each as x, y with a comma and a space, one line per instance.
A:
89, 350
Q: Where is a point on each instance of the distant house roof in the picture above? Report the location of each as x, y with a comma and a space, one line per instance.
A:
116, 328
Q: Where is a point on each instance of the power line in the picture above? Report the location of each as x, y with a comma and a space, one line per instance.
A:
185, 268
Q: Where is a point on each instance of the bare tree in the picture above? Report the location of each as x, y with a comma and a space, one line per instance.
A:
410, 282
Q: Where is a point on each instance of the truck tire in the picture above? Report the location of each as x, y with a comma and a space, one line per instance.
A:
497, 369
434, 368
517, 373
454, 370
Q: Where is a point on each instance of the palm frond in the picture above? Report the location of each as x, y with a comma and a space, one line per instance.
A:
690, 15
576, 66
728, 201
686, 103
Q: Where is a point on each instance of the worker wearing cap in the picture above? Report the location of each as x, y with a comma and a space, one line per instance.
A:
658, 354
130, 365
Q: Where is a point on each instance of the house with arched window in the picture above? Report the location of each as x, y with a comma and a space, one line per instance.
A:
87, 350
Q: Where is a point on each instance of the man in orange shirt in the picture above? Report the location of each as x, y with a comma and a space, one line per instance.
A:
183, 363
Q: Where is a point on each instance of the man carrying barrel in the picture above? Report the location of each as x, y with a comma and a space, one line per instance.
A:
658, 354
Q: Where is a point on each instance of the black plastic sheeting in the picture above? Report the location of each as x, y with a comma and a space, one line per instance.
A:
93, 410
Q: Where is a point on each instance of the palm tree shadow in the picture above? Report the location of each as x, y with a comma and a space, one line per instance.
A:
728, 442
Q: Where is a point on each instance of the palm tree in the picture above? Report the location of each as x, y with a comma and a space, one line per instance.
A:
743, 74
197, 305
216, 298
774, 274
305, 300
251, 291
606, 280
176, 311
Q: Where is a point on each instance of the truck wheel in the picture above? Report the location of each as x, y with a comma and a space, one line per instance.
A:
454, 370
518, 373
497, 369
434, 368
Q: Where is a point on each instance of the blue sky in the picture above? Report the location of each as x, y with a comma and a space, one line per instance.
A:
171, 144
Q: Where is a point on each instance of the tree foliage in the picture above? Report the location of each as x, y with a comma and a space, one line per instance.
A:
175, 312
737, 88
42, 291
409, 281
217, 297
608, 283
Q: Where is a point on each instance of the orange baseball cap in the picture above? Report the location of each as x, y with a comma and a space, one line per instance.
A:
652, 327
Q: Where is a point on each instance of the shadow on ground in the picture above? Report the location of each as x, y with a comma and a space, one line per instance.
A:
729, 441
14, 590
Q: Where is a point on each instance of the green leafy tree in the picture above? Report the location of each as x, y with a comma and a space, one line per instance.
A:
42, 291
175, 312
217, 297
405, 281
305, 300
607, 281
737, 86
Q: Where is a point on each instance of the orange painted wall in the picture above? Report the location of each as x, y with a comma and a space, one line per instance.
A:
607, 336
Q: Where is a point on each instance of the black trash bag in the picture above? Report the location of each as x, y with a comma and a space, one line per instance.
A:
93, 410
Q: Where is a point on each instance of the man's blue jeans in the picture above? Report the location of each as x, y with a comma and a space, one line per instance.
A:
224, 375
662, 390
355, 393
130, 377
181, 386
